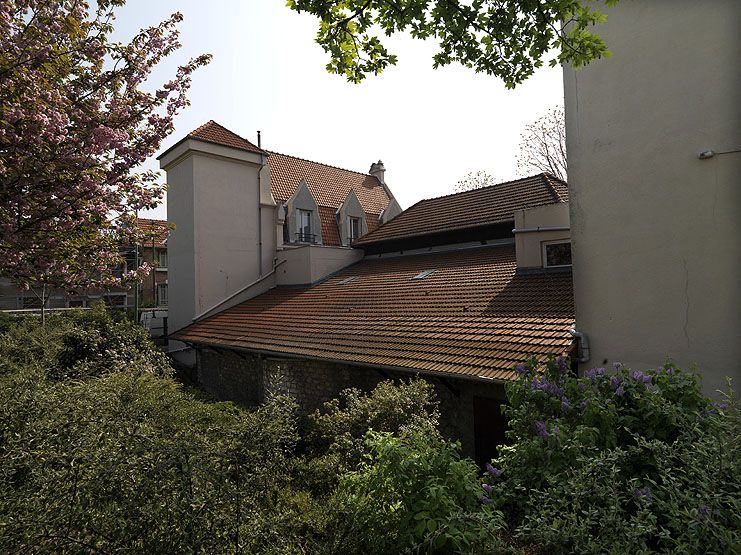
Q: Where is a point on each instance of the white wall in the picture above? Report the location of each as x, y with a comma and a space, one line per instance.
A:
534, 226
656, 232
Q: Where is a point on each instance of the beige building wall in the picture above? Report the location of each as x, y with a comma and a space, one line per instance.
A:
536, 226
656, 232
216, 205
311, 263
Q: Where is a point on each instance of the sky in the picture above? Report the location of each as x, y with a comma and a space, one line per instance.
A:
429, 127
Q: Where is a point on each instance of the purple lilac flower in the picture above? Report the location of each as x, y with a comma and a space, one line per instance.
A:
556, 430
485, 500
583, 404
620, 391
617, 366
594, 373
521, 368
561, 364
487, 488
496, 472
547, 386
639, 376
659, 369
704, 512
564, 404
721, 406
670, 371
643, 494
541, 430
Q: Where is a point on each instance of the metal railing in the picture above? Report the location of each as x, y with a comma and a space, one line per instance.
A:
302, 237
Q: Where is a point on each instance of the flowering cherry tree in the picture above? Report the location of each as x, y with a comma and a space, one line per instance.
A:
75, 123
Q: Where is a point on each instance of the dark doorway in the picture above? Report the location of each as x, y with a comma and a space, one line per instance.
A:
489, 425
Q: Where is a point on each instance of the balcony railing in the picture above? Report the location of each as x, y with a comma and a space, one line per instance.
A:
302, 237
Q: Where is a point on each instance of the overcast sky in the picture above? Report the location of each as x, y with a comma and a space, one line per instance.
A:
430, 127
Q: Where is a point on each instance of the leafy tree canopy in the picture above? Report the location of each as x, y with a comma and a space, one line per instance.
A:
505, 38
76, 121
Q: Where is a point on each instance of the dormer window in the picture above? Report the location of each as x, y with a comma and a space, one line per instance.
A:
556, 254
354, 229
304, 233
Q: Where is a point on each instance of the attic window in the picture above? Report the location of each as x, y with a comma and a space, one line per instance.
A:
346, 280
423, 274
557, 254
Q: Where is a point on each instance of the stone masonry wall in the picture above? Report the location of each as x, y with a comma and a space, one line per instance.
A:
250, 380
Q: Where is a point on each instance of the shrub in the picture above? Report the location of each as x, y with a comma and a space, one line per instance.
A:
336, 435
619, 462
413, 492
134, 464
81, 344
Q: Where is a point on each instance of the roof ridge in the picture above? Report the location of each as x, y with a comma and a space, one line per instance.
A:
482, 188
548, 177
151, 220
322, 164
217, 124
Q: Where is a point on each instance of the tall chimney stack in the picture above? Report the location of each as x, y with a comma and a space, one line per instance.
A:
378, 170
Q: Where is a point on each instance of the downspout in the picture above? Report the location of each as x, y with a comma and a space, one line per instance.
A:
541, 228
583, 344
259, 207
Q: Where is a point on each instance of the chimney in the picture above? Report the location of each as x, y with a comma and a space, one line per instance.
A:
377, 170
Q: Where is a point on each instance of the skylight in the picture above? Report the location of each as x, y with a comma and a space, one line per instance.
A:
423, 274
346, 280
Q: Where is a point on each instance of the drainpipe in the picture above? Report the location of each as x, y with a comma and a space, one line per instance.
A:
259, 209
583, 344
541, 228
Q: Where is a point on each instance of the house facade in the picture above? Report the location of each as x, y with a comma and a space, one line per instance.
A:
151, 292
654, 144
453, 289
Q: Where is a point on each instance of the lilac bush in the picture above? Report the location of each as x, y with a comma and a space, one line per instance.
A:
620, 461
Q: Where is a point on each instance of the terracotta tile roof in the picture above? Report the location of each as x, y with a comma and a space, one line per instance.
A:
212, 132
472, 317
328, 185
330, 231
153, 230
470, 209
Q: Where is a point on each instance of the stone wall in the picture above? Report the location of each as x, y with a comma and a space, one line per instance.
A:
250, 380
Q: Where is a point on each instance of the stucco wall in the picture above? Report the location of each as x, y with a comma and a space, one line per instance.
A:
656, 232
250, 380
529, 244
311, 263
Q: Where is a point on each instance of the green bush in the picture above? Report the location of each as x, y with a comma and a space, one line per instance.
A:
336, 435
133, 464
81, 344
619, 462
413, 492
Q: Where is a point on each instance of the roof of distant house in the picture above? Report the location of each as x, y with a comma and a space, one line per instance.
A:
329, 185
470, 209
155, 232
472, 316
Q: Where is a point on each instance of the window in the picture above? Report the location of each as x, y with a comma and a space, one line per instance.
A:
304, 226
557, 253
162, 294
354, 224
76, 303
31, 302
423, 274
162, 259
115, 299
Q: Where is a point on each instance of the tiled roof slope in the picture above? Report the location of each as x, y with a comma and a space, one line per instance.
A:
473, 317
475, 208
328, 185
212, 132
153, 230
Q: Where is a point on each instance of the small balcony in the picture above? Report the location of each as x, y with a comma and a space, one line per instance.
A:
302, 237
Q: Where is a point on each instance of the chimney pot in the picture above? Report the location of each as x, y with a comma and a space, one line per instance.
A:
378, 171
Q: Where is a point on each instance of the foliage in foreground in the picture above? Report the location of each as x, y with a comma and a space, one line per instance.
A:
103, 451
619, 462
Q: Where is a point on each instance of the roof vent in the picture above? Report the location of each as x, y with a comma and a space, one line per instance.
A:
423, 274
346, 280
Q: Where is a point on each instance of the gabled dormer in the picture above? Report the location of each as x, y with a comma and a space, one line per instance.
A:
351, 221
302, 223
390, 212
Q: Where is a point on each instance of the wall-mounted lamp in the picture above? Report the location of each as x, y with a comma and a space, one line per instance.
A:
707, 154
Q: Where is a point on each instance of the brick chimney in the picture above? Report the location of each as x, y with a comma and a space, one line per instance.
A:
378, 170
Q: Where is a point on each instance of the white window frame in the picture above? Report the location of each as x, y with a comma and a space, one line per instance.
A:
302, 235
544, 252
350, 235
162, 267
160, 287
